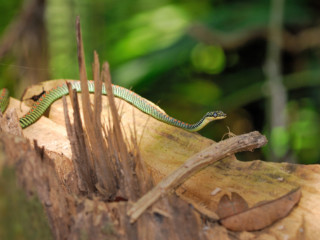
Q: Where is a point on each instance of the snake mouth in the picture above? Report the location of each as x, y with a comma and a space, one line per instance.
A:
221, 117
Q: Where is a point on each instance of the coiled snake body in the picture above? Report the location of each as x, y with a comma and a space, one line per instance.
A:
41, 105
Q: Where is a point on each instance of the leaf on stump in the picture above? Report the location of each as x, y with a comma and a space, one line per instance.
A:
236, 216
229, 207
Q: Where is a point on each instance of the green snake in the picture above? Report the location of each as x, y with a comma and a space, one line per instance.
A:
47, 98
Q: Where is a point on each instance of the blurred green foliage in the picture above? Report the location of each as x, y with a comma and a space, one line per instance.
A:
191, 57
208, 58
304, 130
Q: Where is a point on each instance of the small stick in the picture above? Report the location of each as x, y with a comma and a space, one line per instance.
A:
215, 152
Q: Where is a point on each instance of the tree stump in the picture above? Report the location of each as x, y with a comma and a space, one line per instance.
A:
50, 173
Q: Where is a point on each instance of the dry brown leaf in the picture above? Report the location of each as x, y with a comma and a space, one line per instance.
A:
229, 207
259, 216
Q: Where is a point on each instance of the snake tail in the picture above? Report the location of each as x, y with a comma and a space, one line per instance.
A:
4, 99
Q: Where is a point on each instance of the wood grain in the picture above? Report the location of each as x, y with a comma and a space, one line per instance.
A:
164, 148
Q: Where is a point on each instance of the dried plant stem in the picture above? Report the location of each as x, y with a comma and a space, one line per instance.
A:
200, 160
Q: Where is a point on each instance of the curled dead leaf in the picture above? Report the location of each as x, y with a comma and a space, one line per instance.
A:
228, 207
236, 217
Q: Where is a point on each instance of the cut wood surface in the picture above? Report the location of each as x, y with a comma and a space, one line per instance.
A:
164, 148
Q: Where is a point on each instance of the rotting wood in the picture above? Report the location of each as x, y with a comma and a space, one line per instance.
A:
129, 180
80, 222
255, 180
98, 89
123, 161
81, 157
217, 151
10, 123
104, 169
37, 175
81, 216
73, 216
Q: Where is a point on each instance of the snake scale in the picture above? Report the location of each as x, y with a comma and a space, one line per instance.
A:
47, 98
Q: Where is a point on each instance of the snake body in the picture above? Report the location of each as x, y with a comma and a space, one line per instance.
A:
42, 104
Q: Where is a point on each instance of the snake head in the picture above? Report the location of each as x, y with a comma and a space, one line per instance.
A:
216, 115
